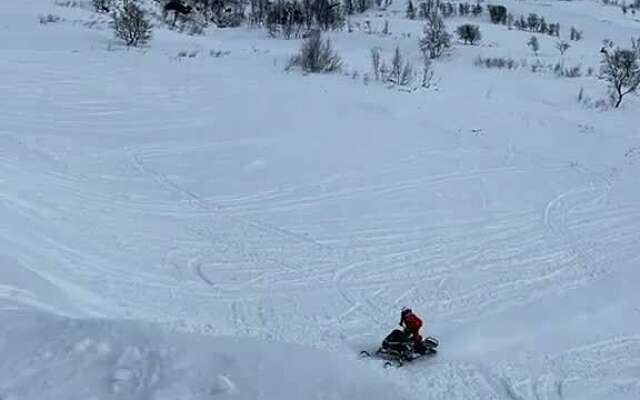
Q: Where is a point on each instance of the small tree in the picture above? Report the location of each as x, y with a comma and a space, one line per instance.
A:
363, 5
543, 27
316, 55
436, 39
447, 9
131, 25
385, 29
476, 10
411, 10
534, 45
349, 7
562, 46
427, 72
396, 66
469, 33
102, 6
384, 71
498, 14
462, 9
621, 69
406, 78
533, 22
575, 34
375, 62
328, 14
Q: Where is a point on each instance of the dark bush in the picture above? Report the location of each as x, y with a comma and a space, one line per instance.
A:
102, 6
316, 55
290, 18
498, 14
470, 34
131, 25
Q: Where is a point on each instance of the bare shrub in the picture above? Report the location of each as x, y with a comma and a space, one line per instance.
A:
49, 19
397, 71
497, 62
621, 69
187, 54
406, 77
396, 66
363, 5
375, 62
575, 34
69, 3
436, 39
534, 45
401, 71
316, 55
102, 6
427, 73
498, 14
292, 18
468, 33
562, 46
131, 25
385, 30
567, 72
218, 53
411, 10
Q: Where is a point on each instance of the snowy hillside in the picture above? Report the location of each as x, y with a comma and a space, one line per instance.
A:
188, 220
96, 359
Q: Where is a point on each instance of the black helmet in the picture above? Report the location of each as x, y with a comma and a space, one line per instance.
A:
405, 311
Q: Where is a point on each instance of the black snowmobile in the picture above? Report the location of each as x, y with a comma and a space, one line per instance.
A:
398, 348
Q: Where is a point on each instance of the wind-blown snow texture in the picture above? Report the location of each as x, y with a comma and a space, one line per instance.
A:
221, 196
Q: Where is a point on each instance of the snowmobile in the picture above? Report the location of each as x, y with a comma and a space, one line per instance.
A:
398, 348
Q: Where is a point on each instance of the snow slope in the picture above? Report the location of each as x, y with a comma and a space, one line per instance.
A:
103, 359
223, 196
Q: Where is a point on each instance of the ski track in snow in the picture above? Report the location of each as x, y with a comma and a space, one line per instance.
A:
377, 273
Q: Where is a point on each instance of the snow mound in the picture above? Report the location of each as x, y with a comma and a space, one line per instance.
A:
49, 357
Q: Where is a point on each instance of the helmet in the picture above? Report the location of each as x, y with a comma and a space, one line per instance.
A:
405, 311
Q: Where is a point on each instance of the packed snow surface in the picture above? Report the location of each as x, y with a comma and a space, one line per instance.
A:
190, 221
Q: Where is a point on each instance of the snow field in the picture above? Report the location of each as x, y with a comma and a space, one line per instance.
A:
223, 196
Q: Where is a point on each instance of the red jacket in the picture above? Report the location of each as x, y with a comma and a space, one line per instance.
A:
412, 323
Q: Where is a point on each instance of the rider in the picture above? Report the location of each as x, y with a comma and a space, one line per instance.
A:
412, 324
